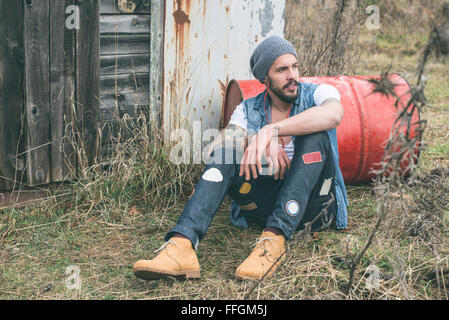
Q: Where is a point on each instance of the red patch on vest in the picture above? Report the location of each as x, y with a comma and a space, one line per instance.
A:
312, 157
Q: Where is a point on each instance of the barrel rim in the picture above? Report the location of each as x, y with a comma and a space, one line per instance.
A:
225, 104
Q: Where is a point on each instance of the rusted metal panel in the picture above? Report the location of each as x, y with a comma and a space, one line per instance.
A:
206, 44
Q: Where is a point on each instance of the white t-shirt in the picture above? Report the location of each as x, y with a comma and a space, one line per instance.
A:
321, 94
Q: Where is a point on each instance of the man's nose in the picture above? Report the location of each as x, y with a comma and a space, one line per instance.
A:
291, 74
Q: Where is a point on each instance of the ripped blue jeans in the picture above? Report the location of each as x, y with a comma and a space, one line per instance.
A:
285, 204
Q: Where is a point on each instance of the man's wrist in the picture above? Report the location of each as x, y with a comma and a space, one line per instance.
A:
274, 128
271, 127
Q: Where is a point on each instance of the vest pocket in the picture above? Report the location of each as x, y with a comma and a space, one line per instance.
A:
254, 122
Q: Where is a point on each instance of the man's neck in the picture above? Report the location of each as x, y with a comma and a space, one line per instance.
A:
278, 104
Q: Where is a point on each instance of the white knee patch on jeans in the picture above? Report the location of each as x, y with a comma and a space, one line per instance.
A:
213, 175
326, 187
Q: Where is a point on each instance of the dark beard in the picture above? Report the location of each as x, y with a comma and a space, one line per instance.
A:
280, 94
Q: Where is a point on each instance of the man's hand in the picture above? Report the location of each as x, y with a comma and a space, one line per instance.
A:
284, 164
264, 143
252, 158
278, 163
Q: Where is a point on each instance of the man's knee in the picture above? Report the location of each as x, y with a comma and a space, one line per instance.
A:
317, 139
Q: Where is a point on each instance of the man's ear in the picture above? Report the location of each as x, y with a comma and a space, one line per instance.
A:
266, 82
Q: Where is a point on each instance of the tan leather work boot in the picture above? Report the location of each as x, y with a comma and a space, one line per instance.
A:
177, 259
269, 247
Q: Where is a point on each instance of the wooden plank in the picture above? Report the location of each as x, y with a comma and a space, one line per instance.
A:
124, 83
37, 96
62, 90
124, 24
117, 113
88, 79
119, 64
11, 84
125, 44
111, 100
124, 65
157, 26
125, 6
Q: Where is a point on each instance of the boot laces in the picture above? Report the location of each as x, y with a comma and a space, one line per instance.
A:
262, 241
167, 243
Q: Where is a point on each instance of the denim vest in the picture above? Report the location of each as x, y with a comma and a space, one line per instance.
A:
256, 118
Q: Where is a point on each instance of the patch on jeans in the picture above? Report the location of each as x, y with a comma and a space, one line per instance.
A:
312, 157
249, 207
213, 175
292, 208
326, 187
245, 188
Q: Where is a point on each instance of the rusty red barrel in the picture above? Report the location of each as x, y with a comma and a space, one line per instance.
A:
365, 127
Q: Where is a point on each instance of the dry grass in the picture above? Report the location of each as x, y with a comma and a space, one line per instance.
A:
325, 34
109, 219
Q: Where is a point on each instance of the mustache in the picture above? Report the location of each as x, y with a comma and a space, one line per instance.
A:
290, 83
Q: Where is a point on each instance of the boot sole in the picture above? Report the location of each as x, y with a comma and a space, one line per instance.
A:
239, 277
246, 278
153, 274
278, 264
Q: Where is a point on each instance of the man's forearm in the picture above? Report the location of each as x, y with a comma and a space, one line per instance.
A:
313, 120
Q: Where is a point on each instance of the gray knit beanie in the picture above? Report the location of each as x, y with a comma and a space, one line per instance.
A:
266, 53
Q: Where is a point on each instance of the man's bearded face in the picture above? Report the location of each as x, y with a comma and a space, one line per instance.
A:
285, 93
283, 78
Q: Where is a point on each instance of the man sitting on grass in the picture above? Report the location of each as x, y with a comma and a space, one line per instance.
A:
293, 126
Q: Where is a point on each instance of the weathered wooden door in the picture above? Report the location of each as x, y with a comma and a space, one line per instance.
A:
69, 71
52, 53
61, 85
11, 86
